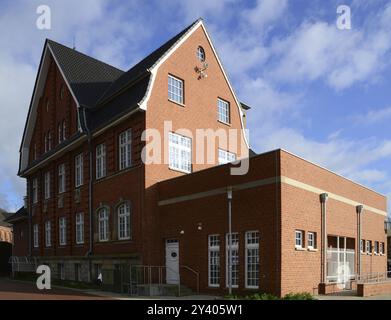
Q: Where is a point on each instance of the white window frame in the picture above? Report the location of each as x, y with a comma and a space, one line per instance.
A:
124, 222
381, 248
35, 190
368, 247
61, 178
47, 185
36, 236
311, 240
300, 239
48, 234
103, 225
362, 246
213, 256
79, 228
62, 231
125, 149
180, 152
223, 111
235, 257
226, 156
79, 170
252, 244
175, 90
101, 161
201, 54
376, 248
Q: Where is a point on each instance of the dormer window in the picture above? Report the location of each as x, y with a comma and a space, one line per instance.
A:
201, 54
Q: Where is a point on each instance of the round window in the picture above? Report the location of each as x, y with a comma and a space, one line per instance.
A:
174, 254
201, 54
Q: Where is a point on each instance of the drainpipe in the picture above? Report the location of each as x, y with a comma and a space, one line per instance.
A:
90, 187
323, 199
229, 196
360, 211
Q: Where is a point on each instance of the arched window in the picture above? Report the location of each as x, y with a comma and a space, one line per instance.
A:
124, 222
201, 54
103, 224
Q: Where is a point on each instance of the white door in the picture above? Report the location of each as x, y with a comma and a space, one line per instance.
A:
172, 261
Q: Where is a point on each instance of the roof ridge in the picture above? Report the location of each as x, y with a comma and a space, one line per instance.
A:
84, 54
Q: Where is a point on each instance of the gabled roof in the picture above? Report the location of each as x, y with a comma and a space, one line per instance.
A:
18, 215
88, 77
3, 217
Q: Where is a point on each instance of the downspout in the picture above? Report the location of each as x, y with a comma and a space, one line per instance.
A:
323, 199
360, 211
90, 189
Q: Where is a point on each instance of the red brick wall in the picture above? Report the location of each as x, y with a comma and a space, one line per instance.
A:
20, 246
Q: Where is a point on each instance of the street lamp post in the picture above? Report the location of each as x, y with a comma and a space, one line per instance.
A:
229, 196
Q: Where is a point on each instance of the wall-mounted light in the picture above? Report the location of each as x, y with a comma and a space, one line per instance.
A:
182, 232
199, 226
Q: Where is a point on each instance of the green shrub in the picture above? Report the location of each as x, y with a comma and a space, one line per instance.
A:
299, 296
268, 296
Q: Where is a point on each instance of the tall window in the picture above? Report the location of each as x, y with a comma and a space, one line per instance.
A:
80, 228
61, 271
62, 231
124, 221
226, 157
35, 190
36, 235
214, 260
64, 130
223, 111
201, 54
100, 161
48, 234
47, 185
234, 244
103, 224
175, 89
381, 248
79, 170
311, 240
61, 178
49, 141
59, 133
125, 149
179, 152
62, 92
376, 249
369, 247
299, 239
252, 259
362, 242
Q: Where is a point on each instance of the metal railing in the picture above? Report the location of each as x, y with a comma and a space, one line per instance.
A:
197, 274
23, 264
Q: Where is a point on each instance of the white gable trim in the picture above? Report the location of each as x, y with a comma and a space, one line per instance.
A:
154, 69
32, 115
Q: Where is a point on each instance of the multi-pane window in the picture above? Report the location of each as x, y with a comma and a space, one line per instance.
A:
124, 221
62, 231
179, 152
100, 161
214, 260
80, 228
125, 149
48, 234
47, 185
362, 244
201, 54
381, 248
61, 178
35, 190
299, 238
61, 271
226, 156
233, 244
36, 236
79, 170
369, 246
252, 259
103, 224
175, 89
223, 111
311, 240
376, 248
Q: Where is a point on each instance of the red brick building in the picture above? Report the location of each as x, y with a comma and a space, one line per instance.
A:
94, 203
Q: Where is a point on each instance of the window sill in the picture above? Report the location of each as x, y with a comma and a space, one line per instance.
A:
178, 103
179, 170
214, 287
312, 250
225, 123
300, 249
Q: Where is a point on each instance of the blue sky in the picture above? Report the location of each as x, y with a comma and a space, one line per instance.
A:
320, 92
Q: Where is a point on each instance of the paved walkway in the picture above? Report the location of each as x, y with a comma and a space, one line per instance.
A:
382, 297
17, 290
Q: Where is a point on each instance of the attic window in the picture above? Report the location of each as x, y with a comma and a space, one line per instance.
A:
201, 54
62, 92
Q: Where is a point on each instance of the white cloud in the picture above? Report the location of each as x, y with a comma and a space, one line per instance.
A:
372, 117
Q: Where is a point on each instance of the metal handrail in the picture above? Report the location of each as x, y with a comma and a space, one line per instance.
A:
197, 274
374, 277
